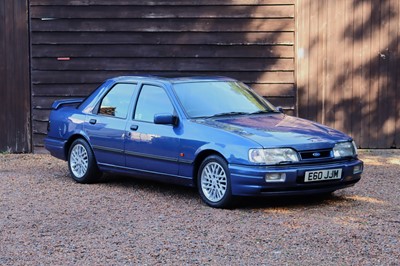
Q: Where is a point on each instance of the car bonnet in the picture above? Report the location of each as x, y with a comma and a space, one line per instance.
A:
279, 130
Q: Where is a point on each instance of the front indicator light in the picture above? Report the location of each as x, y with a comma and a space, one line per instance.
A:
275, 177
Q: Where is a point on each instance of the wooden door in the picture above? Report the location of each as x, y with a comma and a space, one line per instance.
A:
15, 109
348, 67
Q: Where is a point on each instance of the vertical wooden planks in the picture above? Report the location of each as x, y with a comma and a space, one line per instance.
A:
302, 58
15, 133
330, 56
393, 107
3, 75
374, 72
358, 98
322, 61
396, 73
22, 71
383, 83
360, 71
365, 33
347, 95
342, 66
314, 42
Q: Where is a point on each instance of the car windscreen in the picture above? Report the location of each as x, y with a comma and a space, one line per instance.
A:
215, 98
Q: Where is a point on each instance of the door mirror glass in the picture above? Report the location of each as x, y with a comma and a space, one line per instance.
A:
165, 119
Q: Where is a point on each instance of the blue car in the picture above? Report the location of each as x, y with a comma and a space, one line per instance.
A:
213, 133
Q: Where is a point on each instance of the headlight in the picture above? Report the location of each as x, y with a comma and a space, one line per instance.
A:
345, 149
273, 156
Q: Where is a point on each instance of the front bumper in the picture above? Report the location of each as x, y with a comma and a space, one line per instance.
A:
250, 180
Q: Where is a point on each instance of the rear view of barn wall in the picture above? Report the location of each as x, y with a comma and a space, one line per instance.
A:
75, 45
348, 72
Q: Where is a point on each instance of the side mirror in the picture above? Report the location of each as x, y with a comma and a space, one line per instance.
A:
280, 109
166, 119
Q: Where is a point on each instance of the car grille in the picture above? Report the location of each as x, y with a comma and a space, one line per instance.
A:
316, 155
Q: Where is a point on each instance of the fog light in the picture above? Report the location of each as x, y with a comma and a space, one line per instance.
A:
357, 169
275, 177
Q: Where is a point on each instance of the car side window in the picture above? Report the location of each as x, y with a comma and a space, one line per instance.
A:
117, 100
152, 100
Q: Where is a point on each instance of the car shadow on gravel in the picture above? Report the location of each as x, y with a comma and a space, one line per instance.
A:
149, 186
244, 203
288, 201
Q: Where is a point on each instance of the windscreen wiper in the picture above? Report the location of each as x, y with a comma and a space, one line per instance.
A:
228, 114
264, 112
238, 113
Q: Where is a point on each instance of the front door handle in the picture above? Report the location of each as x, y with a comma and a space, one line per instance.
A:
92, 121
134, 127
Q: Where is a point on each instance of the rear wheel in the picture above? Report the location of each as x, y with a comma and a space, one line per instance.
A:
81, 162
213, 181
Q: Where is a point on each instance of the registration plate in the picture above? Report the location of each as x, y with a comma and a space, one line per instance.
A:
323, 175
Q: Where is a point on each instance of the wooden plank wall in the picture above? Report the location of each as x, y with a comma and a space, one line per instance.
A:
348, 67
15, 96
251, 40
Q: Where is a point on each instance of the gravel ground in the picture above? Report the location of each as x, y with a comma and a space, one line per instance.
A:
47, 219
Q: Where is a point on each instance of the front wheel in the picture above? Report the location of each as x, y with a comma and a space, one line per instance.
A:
81, 162
213, 182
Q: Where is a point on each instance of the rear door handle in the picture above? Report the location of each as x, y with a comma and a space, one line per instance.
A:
92, 121
134, 127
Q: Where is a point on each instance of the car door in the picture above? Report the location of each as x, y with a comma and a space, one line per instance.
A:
152, 147
106, 126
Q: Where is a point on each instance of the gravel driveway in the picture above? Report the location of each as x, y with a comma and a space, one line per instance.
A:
47, 219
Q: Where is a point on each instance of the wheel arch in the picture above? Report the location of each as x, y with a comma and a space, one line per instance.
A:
71, 140
200, 158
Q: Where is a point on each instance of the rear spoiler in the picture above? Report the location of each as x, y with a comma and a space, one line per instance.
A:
57, 104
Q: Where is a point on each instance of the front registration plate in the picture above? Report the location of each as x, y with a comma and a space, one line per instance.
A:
323, 175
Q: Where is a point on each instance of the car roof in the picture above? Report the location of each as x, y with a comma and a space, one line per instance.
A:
170, 80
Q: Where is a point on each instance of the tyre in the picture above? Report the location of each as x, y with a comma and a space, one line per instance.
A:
213, 182
81, 162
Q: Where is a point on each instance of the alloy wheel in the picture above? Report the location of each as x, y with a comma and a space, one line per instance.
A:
214, 181
79, 160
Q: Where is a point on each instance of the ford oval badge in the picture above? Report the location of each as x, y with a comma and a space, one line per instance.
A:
316, 154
